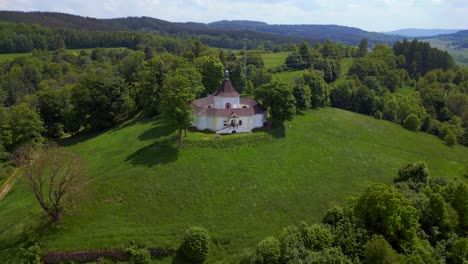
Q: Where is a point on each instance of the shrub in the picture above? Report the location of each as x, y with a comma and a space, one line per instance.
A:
412, 123
416, 171
138, 255
378, 115
31, 254
450, 139
196, 244
268, 251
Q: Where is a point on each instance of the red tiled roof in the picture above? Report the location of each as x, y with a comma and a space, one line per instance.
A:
226, 90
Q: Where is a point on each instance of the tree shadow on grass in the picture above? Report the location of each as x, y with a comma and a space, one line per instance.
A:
277, 131
87, 135
161, 152
179, 258
158, 130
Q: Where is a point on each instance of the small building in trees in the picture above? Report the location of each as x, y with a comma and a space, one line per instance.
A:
225, 112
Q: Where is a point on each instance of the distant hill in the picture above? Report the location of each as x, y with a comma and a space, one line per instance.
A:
419, 32
235, 29
336, 33
277, 33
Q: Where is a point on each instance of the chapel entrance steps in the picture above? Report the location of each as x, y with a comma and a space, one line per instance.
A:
233, 129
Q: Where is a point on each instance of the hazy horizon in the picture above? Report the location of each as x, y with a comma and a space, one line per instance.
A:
378, 15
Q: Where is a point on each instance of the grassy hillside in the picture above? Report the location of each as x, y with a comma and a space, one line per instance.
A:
241, 188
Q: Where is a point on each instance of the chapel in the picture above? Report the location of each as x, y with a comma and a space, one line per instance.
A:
225, 112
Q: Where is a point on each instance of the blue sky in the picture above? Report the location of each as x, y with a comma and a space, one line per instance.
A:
377, 15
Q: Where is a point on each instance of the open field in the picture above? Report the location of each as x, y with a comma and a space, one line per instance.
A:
345, 65
288, 76
241, 188
10, 56
272, 60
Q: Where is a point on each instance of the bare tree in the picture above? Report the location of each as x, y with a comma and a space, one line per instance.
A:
54, 174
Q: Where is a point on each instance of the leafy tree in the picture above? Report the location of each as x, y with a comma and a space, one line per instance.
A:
349, 237
292, 245
319, 88
211, 70
294, 61
303, 95
341, 96
53, 105
317, 237
129, 66
437, 216
54, 175
412, 123
392, 81
278, 98
6, 136
331, 69
450, 138
364, 100
363, 67
390, 107
383, 210
378, 251
258, 77
180, 89
456, 193
149, 85
268, 251
100, 102
372, 83
236, 75
305, 53
362, 52
26, 127
196, 245
458, 253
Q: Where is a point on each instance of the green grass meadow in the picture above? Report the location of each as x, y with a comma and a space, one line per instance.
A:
10, 56
272, 60
288, 76
241, 188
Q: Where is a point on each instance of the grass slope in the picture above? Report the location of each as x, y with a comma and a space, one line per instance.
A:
241, 188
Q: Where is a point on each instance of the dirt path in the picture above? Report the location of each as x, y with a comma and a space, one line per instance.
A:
7, 185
